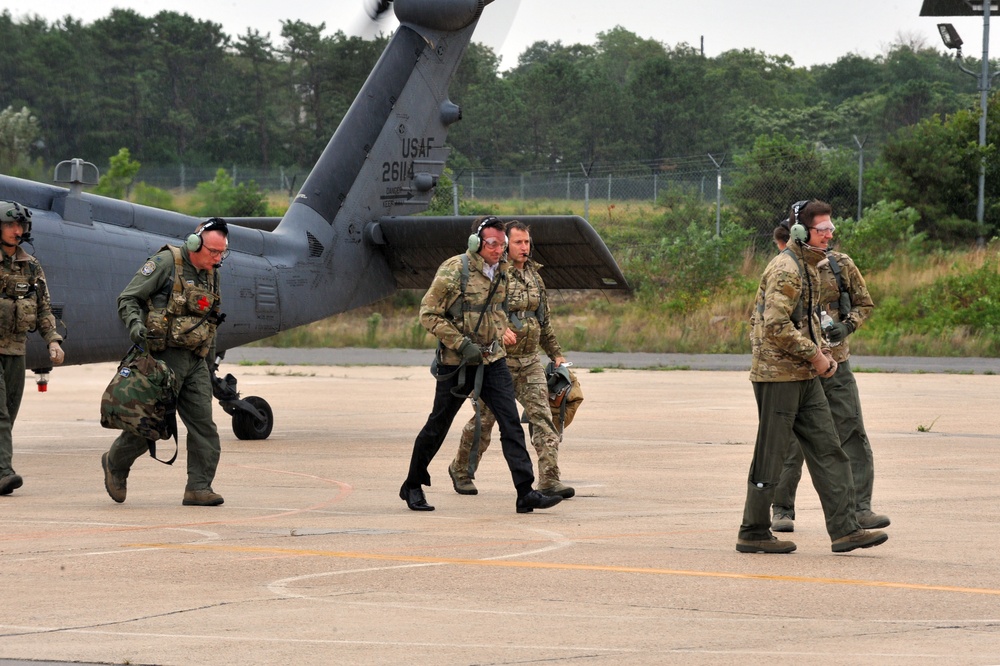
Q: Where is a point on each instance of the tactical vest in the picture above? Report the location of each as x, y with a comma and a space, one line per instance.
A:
797, 313
843, 304
191, 314
517, 317
19, 299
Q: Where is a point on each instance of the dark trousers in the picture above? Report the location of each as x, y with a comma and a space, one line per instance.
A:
845, 406
498, 394
11, 390
798, 410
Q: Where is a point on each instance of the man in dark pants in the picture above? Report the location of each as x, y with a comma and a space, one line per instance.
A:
788, 360
463, 309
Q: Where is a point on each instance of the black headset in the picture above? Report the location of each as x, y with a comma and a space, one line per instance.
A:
798, 231
194, 242
476, 239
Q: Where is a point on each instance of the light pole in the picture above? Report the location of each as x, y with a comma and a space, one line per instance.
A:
952, 41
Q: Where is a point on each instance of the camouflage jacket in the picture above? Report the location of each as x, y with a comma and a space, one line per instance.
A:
526, 302
829, 294
25, 304
151, 288
781, 346
451, 318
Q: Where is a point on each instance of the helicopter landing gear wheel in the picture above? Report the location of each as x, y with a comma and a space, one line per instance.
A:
248, 426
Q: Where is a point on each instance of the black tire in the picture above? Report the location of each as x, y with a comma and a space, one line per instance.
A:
245, 426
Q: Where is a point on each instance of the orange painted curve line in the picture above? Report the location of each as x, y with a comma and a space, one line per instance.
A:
570, 567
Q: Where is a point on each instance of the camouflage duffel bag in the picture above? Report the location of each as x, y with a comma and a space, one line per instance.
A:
141, 398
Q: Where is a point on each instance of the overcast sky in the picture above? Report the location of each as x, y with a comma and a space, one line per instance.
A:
810, 31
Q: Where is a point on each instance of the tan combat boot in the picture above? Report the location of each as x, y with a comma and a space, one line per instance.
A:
463, 484
202, 497
114, 484
558, 488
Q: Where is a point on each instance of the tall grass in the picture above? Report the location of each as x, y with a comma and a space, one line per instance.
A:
928, 302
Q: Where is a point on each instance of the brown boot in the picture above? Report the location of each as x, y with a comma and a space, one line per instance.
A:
858, 539
869, 520
114, 484
463, 484
772, 545
558, 488
202, 497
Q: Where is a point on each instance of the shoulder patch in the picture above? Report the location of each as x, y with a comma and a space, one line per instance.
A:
148, 268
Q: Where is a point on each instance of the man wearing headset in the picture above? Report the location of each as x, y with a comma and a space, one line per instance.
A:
171, 308
530, 331
788, 360
844, 296
24, 307
463, 309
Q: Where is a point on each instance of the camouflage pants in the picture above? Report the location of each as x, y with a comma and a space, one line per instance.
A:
533, 393
11, 390
194, 406
845, 406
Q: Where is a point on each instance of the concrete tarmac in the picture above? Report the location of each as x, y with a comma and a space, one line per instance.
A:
314, 559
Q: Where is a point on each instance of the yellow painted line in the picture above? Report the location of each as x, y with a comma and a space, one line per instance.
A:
563, 566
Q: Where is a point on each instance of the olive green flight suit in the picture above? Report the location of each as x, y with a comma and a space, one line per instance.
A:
841, 392
153, 283
790, 399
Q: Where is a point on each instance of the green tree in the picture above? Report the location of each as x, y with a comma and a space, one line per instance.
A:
776, 172
18, 131
194, 83
220, 197
933, 167
117, 181
128, 112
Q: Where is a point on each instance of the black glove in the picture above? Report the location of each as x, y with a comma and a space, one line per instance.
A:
470, 352
839, 331
137, 333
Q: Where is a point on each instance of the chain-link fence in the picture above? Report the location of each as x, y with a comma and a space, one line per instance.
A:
717, 182
180, 177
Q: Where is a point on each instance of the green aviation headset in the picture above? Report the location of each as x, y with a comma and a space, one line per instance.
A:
476, 239
798, 231
194, 242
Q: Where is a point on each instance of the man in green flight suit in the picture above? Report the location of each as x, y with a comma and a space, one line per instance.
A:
530, 330
845, 298
171, 307
25, 306
788, 358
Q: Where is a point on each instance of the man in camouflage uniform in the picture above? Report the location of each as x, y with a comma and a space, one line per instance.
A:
528, 313
172, 306
463, 309
25, 306
848, 309
788, 360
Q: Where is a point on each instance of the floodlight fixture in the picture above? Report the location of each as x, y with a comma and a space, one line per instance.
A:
950, 36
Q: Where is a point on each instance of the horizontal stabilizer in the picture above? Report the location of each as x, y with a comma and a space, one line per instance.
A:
572, 252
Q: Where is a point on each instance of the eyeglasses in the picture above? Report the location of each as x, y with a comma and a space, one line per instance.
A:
493, 242
824, 230
218, 254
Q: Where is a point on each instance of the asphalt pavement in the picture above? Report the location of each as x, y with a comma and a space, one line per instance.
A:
636, 361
